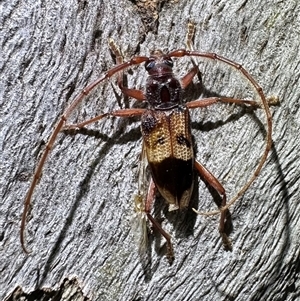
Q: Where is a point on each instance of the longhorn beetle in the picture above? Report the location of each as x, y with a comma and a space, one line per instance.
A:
166, 131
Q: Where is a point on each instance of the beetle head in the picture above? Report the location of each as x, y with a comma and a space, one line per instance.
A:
159, 63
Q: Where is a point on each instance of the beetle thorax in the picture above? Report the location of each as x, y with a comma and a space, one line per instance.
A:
163, 92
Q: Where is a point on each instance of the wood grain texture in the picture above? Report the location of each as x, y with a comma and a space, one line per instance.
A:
82, 221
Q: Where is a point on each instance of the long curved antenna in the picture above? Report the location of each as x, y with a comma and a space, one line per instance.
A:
58, 127
264, 103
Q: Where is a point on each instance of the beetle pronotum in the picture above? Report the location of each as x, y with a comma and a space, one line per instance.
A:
165, 125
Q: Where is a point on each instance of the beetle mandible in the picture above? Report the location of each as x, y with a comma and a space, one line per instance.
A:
166, 131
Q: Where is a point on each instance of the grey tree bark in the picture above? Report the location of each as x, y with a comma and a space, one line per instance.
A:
81, 225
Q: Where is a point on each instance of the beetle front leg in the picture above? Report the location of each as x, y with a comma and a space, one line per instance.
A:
137, 94
148, 206
213, 182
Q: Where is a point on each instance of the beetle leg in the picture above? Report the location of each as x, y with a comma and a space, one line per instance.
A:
190, 35
204, 102
134, 93
116, 113
137, 94
213, 182
187, 79
149, 202
190, 46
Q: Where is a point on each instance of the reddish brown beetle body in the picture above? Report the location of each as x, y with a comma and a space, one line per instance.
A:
167, 133
167, 139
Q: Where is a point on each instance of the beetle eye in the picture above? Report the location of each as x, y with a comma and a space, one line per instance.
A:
168, 62
149, 65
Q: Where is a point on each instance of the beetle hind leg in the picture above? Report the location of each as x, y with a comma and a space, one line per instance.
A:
155, 223
213, 182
